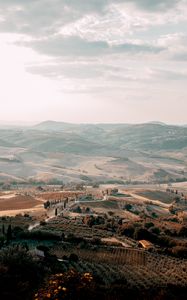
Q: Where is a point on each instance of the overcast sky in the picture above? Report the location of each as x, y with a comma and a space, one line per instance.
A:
93, 60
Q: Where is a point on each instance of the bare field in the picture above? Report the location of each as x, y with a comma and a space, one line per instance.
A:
157, 195
19, 202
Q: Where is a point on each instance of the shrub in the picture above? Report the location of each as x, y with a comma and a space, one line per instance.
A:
43, 223
19, 274
73, 257
16, 231
128, 206
141, 234
155, 230
149, 224
127, 230
40, 235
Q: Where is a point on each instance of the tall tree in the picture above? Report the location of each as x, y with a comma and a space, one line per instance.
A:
9, 233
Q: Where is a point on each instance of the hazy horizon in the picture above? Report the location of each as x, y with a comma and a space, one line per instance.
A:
104, 61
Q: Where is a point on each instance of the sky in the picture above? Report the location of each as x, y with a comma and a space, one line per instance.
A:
89, 61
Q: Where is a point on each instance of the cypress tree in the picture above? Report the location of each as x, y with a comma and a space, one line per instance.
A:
9, 233
3, 229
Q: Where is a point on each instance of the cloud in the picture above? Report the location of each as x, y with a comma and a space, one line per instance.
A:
95, 4
68, 70
77, 52
171, 75
112, 26
120, 22
138, 48
68, 46
60, 46
176, 44
39, 17
35, 17
158, 5
88, 70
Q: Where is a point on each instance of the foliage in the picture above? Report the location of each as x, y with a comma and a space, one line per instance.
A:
141, 234
40, 235
127, 229
19, 274
128, 206
70, 285
9, 233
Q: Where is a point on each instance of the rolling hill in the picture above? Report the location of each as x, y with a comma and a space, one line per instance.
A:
100, 152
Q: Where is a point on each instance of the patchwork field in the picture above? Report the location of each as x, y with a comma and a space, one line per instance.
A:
130, 240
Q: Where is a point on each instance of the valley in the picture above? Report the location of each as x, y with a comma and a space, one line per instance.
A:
101, 204
103, 153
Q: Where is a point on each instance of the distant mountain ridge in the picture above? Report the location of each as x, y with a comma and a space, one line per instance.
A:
57, 125
52, 136
52, 125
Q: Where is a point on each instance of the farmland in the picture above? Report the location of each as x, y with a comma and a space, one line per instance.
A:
137, 272
97, 231
18, 202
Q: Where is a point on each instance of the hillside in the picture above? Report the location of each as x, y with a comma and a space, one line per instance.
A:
142, 136
99, 152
